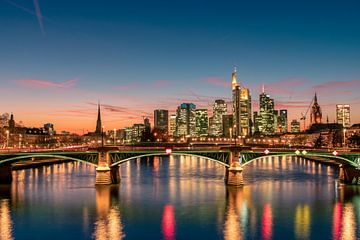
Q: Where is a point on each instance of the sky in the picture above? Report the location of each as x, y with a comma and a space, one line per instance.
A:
59, 58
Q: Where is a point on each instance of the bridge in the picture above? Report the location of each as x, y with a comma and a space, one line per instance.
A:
234, 159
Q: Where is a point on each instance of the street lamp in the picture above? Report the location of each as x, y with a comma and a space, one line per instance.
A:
7, 138
344, 137
114, 136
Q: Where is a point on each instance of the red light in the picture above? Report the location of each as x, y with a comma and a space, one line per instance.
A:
168, 151
266, 151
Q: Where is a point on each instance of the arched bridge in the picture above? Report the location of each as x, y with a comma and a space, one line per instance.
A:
234, 159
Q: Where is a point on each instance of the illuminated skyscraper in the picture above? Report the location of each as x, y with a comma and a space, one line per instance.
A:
266, 114
315, 115
173, 124
343, 114
201, 118
219, 109
161, 122
227, 125
185, 120
283, 121
241, 108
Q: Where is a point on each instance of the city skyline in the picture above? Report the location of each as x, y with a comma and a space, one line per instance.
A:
137, 63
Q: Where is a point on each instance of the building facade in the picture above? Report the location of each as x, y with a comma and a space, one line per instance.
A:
185, 120
219, 109
202, 122
161, 120
295, 126
343, 114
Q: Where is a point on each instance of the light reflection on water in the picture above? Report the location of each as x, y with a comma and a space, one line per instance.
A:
181, 198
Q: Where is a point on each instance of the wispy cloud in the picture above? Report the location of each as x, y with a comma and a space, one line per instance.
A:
39, 83
39, 16
218, 82
162, 83
338, 85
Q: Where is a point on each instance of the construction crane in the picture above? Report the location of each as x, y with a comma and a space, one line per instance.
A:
303, 116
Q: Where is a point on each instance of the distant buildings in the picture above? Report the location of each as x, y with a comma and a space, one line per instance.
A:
343, 114
295, 126
265, 119
283, 121
219, 109
227, 122
173, 124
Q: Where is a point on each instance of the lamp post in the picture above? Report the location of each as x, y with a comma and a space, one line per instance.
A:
20, 140
114, 136
230, 130
7, 138
344, 137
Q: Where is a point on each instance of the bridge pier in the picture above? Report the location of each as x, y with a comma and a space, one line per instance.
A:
5, 174
349, 175
106, 175
233, 174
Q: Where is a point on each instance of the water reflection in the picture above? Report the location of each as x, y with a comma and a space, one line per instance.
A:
6, 224
302, 222
168, 222
108, 223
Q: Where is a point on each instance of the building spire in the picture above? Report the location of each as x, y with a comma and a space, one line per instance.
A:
263, 88
98, 123
315, 98
233, 80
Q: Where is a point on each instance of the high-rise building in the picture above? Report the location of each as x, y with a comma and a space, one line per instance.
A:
201, 118
219, 109
257, 122
267, 114
241, 108
185, 120
343, 114
295, 126
98, 122
161, 122
315, 115
173, 124
283, 121
227, 122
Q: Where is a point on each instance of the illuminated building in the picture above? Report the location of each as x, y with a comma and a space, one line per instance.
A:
98, 122
241, 108
256, 121
227, 122
49, 128
266, 117
201, 118
343, 114
315, 115
185, 120
137, 132
161, 122
295, 126
283, 121
173, 124
219, 109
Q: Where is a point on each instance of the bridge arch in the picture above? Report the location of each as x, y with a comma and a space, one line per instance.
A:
21, 157
339, 159
165, 154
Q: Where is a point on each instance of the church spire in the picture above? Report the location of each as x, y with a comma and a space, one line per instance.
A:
98, 123
233, 80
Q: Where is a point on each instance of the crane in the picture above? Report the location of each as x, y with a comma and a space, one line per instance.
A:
303, 116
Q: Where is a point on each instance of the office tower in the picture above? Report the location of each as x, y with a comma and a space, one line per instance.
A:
12, 122
219, 109
315, 115
185, 120
161, 122
343, 114
241, 108
283, 121
257, 122
201, 118
173, 124
267, 121
98, 122
295, 126
227, 122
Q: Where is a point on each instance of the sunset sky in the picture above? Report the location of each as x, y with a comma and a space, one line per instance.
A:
58, 58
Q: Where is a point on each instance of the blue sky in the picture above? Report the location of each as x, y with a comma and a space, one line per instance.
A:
136, 56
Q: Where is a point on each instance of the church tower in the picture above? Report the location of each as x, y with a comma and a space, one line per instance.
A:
316, 115
98, 123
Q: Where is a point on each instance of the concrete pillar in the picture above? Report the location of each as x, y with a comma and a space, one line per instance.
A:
5, 174
104, 174
233, 174
349, 175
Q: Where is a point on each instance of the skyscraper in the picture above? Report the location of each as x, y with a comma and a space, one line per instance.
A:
219, 109
315, 115
227, 125
241, 108
161, 122
283, 121
98, 122
266, 119
343, 114
201, 118
173, 124
295, 126
185, 120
